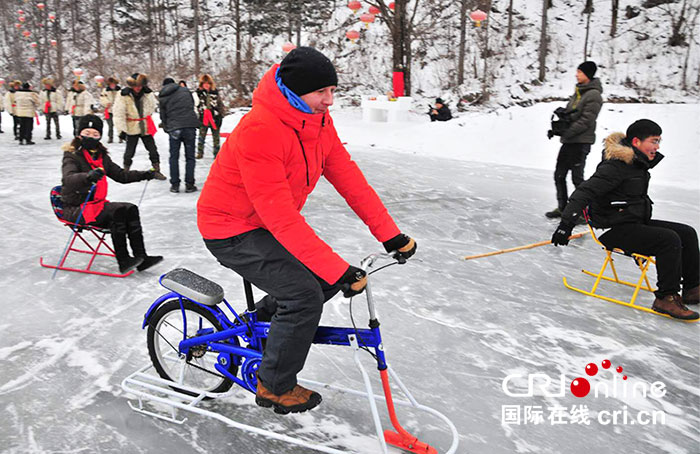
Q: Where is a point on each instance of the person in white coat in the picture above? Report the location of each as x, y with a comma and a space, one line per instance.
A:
51, 103
79, 103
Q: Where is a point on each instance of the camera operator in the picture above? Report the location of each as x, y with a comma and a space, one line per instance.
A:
576, 126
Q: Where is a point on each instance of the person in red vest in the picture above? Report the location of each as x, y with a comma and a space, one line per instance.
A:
249, 215
85, 164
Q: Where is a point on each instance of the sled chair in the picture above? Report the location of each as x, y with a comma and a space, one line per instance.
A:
642, 262
80, 232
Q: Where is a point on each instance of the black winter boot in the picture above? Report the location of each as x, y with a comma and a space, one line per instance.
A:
136, 240
126, 262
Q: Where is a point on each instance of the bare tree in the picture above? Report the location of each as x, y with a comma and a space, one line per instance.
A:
543, 40
692, 23
613, 25
509, 33
463, 9
195, 5
588, 10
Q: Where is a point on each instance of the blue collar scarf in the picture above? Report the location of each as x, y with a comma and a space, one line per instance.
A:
293, 99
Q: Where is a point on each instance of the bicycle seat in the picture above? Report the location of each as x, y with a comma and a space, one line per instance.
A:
193, 286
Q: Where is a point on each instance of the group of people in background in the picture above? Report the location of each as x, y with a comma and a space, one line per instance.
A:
127, 110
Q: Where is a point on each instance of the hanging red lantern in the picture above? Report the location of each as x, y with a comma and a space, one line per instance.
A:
77, 72
26, 33
478, 17
99, 79
367, 19
2, 81
31, 59
288, 47
18, 25
354, 6
54, 43
21, 18
40, 24
392, 5
352, 35
374, 10
52, 17
41, 6
20, 12
33, 45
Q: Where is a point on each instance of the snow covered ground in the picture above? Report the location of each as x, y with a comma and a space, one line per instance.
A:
453, 329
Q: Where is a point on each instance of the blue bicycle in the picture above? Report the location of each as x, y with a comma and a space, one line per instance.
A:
199, 352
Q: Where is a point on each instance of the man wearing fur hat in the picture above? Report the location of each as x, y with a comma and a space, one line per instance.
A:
210, 110
440, 112
582, 111
618, 200
107, 97
51, 103
26, 105
133, 108
249, 216
10, 105
79, 103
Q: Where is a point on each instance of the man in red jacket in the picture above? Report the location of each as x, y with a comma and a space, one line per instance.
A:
249, 215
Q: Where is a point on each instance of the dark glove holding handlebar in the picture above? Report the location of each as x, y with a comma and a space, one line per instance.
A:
95, 175
403, 246
353, 281
562, 234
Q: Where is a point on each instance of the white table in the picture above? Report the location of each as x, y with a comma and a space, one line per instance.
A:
381, 109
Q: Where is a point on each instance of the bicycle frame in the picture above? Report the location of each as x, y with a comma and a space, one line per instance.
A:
252, 331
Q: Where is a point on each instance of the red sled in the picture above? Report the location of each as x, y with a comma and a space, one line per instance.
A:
79, 233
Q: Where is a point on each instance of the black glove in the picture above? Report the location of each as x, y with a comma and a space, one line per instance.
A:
95, 175
149, 174
122, 135
550, 134
403, 245
352, 282
562, 234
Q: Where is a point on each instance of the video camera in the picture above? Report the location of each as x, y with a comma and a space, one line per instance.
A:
561, 124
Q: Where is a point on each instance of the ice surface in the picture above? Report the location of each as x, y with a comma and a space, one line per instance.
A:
452, 329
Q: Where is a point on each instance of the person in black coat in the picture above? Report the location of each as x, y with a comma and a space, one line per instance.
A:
85, 164
180, 121
618, 199
440, 112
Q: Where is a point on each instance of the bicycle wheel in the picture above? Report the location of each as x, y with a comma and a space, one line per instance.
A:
166, 329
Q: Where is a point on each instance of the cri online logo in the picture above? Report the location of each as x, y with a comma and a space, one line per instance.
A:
544, 385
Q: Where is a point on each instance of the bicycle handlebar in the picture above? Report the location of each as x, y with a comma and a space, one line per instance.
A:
367, 262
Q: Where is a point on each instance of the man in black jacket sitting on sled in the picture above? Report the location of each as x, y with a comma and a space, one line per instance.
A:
618, 200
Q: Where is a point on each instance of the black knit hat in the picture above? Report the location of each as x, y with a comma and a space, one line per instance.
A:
305, 69
90, 121
588, 68
439, 101
642, 129
168, 80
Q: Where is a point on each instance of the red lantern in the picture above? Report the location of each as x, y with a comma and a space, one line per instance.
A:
21, 18
20, 12
77, 72
367, 19
33, 45
392, 5
26, 33
52, 17
2, 81
54, 43
99, 80
18, 25
354, 6
352, 35
31, 59
288, 47
41, 6
374, 10
478, 16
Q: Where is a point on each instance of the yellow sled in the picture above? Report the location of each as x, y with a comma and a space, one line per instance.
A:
642, 261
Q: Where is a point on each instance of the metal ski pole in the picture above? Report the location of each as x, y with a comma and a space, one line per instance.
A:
73, 229
143, 193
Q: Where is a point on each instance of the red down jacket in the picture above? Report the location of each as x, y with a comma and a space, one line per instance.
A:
266, 170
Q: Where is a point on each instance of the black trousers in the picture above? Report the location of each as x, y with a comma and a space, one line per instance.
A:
674, 245
76, 120
52, 116
572, 157
110, 129
295, 297
15, 125
148, 142
122, 219
26, 126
